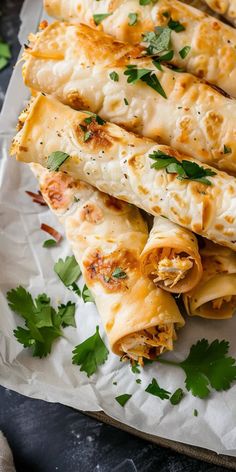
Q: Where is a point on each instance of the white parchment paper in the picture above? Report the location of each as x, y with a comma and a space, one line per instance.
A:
23, 261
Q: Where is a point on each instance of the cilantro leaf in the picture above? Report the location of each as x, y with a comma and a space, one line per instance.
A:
156, 390
207, 365
21, 302
87, 295
195, 412
50, 243
227, 149
184, 51
42, 321
90, 354
133, 19
67, 314
3, 62
134, 368
122, 399
177, 396
145, 75
5, 54
114, 76
175, 25
100, 17
56, 159
118, 273
68, 271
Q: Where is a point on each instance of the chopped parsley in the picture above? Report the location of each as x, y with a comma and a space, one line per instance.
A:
50, 243
122, 399
42, 322
195, 412
126, 101
86, 295
138, 381
133, 19
100, 17
158, 40
184, 51
147, 2
177, 396
154, 389
227, 149
90, 354
176, 26
145, 75
114, 76
118, 273
56, 159
135, 368
186, 170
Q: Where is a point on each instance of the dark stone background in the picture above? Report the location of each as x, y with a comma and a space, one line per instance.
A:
49, 437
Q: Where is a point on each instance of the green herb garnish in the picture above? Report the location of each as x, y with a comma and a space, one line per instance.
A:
227, 149
56, 159
100, 17
90, 354
186, 170
87, 295
135, 368
177, 396
50, 243
156, 390
114, 76
118, 273
207, 365
184, 51
158, 40
122, 399
68, 271
43, 323
145, 75
175, 25
133, 19
5, 54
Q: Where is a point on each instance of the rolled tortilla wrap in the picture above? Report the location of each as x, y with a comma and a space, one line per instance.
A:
207, 39
215, 295
74, 63
107, 237
171, 257
226, 8
120, 163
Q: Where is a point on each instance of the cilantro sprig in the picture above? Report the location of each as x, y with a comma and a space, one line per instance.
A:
154, 389
90, 354
42, 322
186, 170
122, 399
145, 75
98, 18
207, 367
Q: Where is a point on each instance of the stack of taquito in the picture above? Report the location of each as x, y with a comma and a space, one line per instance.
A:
108, 172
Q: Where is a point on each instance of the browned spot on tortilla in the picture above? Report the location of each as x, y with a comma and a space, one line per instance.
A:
219, 227
156, 209
56, 187
23, 148
213, 123
92, 213
229, 219
100, 138
43, 24
143, 190
109, 325
112, 203
77, 101
100, 267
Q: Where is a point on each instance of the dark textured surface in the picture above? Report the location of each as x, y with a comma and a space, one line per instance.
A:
49, 437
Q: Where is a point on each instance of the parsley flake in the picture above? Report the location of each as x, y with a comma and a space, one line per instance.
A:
133, 19
184, 51
227, 149
90, 354
156, 390
175, 25
177, 396
195, 412
87, 295
5, 54
56, 159
100, 17
118, 273
122, 399
50, 243
158, 40
114, 76
135, 368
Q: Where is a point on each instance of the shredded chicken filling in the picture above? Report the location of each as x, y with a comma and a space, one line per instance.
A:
148, 343
218, 302
171, 268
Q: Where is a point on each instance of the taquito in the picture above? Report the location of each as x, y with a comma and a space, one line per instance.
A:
204, 46
215, 295
107, 237
171, 257
226, 8
76, 64
153, 177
